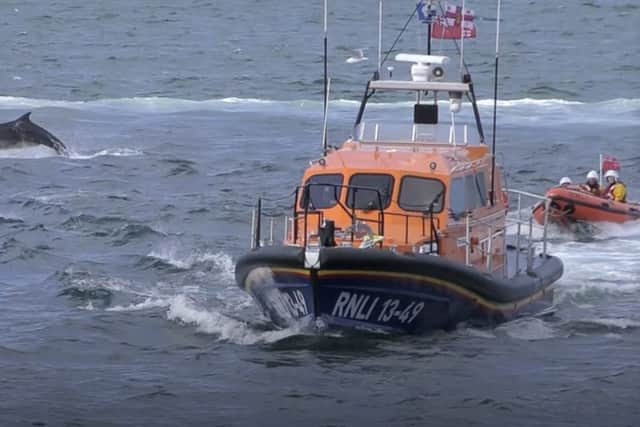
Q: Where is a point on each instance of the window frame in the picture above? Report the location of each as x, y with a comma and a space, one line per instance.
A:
389, 197
338, 194
443, 195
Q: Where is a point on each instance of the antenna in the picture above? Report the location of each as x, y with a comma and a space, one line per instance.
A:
326, 84
326, 118
379, 36
462, 39
495, 106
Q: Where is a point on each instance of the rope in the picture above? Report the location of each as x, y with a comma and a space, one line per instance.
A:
386, 56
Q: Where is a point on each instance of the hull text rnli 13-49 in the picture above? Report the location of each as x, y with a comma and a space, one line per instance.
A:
403, 227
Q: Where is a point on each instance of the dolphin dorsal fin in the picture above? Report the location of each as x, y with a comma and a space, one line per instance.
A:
25, 117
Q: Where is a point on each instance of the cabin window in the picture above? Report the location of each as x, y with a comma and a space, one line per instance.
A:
481, 186
467, 193
471, 195
417, 194
323, 190
457, 203
366, 191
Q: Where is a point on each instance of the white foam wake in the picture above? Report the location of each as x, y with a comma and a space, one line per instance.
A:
224, 327
115, 152
171, 253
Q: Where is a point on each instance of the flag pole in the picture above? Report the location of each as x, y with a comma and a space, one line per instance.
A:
429, 27
495, 107
326, 80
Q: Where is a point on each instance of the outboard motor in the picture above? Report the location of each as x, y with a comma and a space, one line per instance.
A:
327, 233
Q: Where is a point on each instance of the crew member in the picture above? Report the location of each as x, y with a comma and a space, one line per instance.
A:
592, 185
616, 190
565, 181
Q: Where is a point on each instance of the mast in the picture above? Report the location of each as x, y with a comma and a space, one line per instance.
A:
495, 106
325, 97
429, 18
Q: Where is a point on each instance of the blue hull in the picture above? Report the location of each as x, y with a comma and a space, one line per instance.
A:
380, 290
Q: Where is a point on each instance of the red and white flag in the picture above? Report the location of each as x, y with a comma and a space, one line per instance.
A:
454, 23
610, 163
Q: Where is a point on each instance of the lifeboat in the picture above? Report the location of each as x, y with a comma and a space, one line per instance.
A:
400, 228
569, 204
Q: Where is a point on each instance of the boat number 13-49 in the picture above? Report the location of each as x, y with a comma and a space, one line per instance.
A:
390, 309
365, 307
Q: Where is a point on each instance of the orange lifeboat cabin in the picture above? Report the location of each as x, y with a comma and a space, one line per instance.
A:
400, 230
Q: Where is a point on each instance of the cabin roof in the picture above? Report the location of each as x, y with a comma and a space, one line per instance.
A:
402, 157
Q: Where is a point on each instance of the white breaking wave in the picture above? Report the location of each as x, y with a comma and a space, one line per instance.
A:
528, 328
147, 304
115, 152
614, 109
224, 327
171, 253
588, 271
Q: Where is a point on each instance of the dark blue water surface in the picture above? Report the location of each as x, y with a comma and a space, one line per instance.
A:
117, 298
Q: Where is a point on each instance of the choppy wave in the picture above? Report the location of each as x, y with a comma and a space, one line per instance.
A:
225, 328
617, 110
170, 253
529, 328
600, 325
115, 152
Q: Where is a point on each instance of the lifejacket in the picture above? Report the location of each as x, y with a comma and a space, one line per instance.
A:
595, 189
617, 192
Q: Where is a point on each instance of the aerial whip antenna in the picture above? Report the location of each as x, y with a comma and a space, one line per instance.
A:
495, 107
379, 36
326, 85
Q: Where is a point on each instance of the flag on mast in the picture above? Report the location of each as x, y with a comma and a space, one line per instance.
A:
610, 163
454, 23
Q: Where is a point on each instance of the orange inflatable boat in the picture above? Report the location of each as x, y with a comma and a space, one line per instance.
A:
571, 203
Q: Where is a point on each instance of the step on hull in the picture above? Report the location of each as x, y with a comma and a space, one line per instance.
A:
375, 289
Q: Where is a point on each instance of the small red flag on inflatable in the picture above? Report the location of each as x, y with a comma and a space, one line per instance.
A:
610, 163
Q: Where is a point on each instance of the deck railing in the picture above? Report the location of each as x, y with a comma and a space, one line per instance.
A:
297, 226
526, 219
497, 228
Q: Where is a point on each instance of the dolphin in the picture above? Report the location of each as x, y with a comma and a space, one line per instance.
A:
22, 132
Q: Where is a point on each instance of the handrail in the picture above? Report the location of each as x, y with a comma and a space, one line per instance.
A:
519, 221
420, 134
351, 212
293, 233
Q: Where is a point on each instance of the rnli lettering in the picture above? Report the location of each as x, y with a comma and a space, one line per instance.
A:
357, 306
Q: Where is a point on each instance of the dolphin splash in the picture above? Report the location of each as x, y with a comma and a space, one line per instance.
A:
22, 132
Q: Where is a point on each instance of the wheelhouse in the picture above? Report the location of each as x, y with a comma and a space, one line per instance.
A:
406, 198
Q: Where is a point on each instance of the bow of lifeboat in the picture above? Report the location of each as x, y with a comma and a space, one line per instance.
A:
571, 203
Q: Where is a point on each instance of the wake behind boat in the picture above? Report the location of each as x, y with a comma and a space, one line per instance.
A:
402, 228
